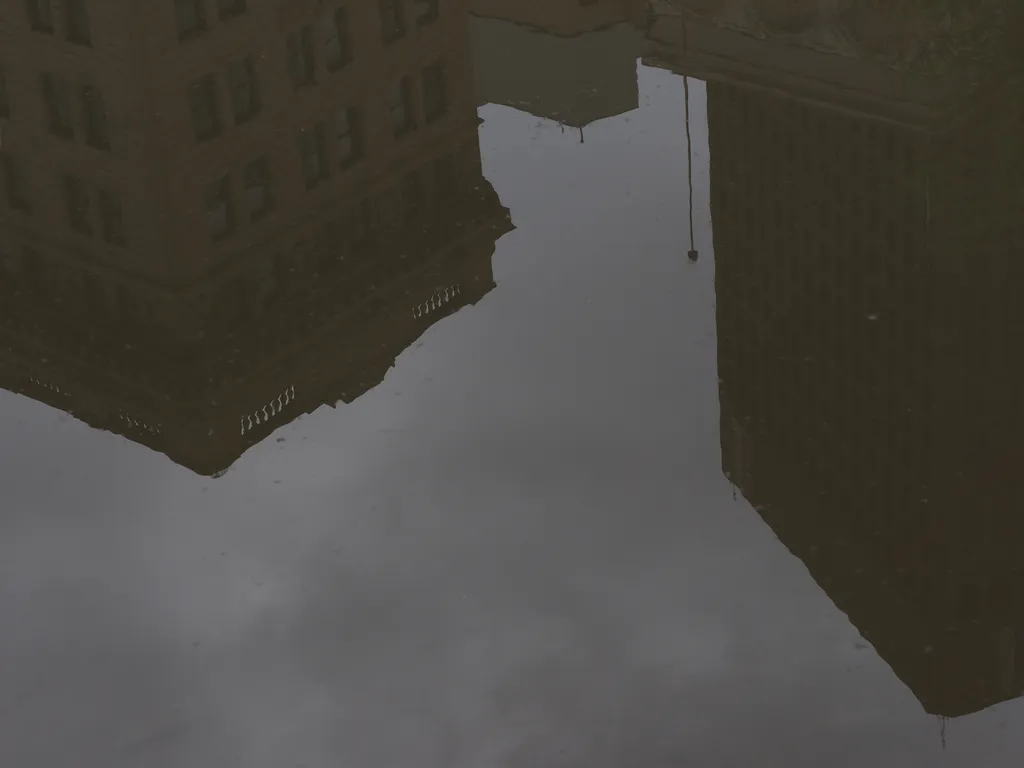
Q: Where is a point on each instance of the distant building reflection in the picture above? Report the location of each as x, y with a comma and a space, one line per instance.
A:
564, 60
217, 217
867, 247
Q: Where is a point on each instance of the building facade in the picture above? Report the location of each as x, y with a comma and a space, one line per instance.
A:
867, 275
195, 192
565, 18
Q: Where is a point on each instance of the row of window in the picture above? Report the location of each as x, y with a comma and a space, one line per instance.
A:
57, 103
192, 15
258, 198
332, 31
331, 35
355, 229
78, 203
76, 19
58, 108
244, 91
326, 145
204, 100
335, 34
393, 16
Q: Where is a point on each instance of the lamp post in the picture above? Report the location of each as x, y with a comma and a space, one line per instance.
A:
692, 254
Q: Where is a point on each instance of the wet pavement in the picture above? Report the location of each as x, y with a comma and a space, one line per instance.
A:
521, 384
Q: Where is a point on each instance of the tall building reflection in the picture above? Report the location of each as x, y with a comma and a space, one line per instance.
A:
867, 243
220, 215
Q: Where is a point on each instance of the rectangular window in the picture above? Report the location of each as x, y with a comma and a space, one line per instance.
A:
313, 149
350, 136
205, 112
5, 101
338, 41
220, 213
435, 92
301, 59
94, 116
76, 201
245, 97
392, 20
228, 9
402, 119
40, 15
76, 22
259, 197
58, 106
425, 11
111, 217
191, 18
17, 185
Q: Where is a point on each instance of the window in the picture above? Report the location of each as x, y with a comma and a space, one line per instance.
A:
191, 19
220, 213
350, 136
76, 201
425, 12
312, 147
392, 20
5, 101
301, 60
58, 106
94, 116
17, 185
111, 217
205, 112
259, 198
402, 119
76, 21
227, 9
338, 45
435, 92
40, 15
245, 98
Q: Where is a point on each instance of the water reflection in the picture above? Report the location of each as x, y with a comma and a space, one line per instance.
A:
194, 255
866, 232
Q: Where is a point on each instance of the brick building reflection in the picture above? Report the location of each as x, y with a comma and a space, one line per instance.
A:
868, 274
217, 216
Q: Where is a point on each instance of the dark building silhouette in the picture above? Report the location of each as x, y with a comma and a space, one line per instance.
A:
868, 250
219, 219
795, 49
